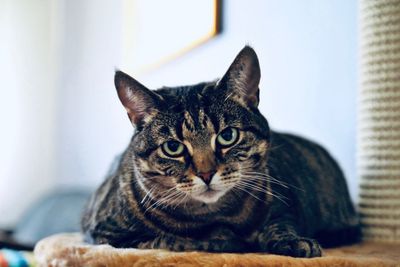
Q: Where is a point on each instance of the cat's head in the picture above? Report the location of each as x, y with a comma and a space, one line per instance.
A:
198, 142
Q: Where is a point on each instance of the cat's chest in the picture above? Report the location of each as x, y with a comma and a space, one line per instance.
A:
242, 222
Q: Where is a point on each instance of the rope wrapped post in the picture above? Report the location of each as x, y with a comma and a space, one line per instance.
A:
378, 147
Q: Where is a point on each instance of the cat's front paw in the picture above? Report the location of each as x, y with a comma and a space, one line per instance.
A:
228, 245
179, 244
294, 246
169, 243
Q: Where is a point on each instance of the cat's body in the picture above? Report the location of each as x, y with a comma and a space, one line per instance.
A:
234, 185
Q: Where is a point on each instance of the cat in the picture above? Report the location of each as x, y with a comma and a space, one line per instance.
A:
204, 171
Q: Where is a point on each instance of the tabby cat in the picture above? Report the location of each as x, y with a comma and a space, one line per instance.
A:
204, 171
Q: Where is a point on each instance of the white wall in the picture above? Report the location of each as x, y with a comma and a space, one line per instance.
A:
68, 133
27, 104
91, 128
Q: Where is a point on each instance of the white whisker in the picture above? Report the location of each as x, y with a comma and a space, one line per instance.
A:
248, 192
252, 177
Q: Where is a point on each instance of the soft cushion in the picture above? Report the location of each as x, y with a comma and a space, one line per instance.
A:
70, 250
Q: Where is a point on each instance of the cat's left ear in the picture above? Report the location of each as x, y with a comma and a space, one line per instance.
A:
243, 77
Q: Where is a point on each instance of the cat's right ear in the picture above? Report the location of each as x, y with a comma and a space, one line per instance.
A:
139, 102
243, 77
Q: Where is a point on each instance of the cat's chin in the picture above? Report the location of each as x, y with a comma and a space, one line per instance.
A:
209, 196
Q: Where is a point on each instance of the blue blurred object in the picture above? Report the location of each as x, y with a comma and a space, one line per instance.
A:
59, 211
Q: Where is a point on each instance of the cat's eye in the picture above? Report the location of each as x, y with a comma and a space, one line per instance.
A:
228, 137
173, 148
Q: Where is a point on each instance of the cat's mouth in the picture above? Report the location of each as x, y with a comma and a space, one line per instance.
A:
209, 195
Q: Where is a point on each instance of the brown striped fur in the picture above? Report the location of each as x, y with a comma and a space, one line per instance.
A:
265, 192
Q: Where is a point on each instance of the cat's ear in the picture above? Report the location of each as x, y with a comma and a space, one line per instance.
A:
243, 77
139, 102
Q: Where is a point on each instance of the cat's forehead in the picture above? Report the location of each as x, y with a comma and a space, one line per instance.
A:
190, 114
186, 98
198, 128
198, 108
186, 92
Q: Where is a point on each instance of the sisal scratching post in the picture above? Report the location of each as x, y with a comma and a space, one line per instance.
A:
379, 119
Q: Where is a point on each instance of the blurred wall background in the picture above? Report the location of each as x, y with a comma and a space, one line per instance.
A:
28, 103
62, 122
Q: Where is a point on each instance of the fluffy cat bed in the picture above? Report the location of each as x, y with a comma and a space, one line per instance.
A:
70, 250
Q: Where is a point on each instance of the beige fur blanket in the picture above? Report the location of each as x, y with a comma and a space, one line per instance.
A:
69, 250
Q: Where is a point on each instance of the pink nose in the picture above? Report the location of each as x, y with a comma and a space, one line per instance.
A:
206, 176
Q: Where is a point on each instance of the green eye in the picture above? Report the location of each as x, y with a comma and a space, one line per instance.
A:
228, 137
173, 148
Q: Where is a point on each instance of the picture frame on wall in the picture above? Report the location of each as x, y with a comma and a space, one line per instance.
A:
156, 32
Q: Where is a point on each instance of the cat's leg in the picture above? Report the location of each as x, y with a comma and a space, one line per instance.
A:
280, 237
176, 243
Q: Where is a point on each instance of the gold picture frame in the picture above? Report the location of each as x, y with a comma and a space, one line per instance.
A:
156, 32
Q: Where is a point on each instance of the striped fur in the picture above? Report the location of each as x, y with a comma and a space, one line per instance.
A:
266, 192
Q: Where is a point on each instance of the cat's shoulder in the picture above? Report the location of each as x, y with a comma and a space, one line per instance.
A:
289, 141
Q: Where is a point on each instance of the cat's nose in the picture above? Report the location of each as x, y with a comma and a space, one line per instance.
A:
206, 176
